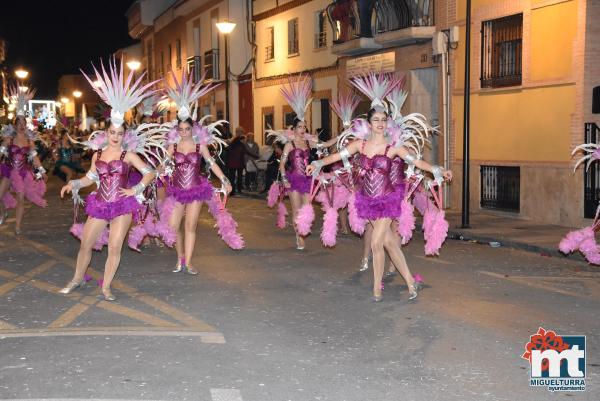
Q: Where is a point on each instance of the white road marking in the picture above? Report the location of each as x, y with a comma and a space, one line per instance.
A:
205, 337
225, 394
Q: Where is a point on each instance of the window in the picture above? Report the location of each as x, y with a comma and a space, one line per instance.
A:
169, 57
320, 30
293, 37
178, 53
500, 188
288, 119
268, 114
194, 67
211, 65
270, 49
501, 51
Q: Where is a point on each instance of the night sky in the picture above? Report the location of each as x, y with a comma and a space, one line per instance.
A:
53, 38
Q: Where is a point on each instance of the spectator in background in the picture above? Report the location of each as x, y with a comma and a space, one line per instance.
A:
273, 166
236, 153
252, 155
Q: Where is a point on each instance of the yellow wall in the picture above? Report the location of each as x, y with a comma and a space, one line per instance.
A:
553, 31
528, 125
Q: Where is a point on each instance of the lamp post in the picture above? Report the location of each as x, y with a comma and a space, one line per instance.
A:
466, 122
226, 28
134, 65
76, 95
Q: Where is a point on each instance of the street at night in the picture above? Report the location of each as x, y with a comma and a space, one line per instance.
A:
273, 323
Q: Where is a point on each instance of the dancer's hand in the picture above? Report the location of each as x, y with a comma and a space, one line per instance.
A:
66, 190
310, 169
227, 187
45, 177
447, 174
127, 192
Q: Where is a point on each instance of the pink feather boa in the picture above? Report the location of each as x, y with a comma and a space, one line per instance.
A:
330, 227
9, 201
227, 226
583, 240
356, 223
406, 222
435, 229
273, 195
304, 219
77, 231
422, 201
281, 213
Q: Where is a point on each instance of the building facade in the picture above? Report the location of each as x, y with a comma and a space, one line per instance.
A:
182, 35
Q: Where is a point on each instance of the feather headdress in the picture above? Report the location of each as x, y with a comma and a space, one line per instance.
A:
119, 93
344, 106
152, 107
297, 94
396, 99
376, 87
20, 96
187, 93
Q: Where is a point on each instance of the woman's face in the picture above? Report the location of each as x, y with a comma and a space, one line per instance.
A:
184, 129
115, 135
20, 125
378, 122
300, 128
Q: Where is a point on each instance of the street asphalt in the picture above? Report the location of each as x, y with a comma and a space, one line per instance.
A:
274, 323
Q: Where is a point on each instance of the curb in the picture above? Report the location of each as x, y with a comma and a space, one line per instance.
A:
485, 240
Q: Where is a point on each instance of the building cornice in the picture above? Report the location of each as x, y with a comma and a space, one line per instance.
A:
279, 9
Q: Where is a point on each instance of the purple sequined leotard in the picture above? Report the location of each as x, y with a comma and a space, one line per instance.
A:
107, 202
377, 196
187, 184
296, 171
19, 169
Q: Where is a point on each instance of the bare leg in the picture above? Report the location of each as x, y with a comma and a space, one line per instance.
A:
380, 230
175, 223
392, 246
4, 184
343, 213
91, 230
19, 212
364, 263
192, 211
296, 200
118, 230
391, 268
68, 172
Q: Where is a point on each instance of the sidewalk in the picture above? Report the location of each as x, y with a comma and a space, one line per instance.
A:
510, 232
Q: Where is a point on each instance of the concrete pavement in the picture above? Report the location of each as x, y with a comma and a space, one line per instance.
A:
273, 323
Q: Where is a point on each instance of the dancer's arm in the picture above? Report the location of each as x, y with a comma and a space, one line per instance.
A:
286, 149
214, 167
35, 160
4, 148
421, 164
148, 174
85, 181
332, 158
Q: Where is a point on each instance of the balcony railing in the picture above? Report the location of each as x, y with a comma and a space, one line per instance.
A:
321, 40
351, 19
269, 53
292, 47
211, 65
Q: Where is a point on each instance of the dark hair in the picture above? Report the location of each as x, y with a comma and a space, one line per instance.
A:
296, 122
373, 111
17, 117
109, 123
187, 120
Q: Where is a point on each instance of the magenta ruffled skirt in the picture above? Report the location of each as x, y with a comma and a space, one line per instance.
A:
201, 192
378, 207
100, 209
299, 182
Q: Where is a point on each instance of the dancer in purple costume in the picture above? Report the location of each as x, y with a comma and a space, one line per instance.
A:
21, 170
377, 200
114, 202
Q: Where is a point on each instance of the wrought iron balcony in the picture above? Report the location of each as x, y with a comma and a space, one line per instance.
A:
396, 23
320, 40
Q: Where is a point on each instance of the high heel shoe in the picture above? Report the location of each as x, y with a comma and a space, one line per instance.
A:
298, 245
179, 266
3, 215
377, 298
190, 270
413, 290
390, 273
72, 286
364, 265
108, 295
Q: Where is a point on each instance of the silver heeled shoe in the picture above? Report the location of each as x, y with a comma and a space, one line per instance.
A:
413, 290
108, 295
72, 286
298, 246
190, 270
3, 215
364, 265
178, 267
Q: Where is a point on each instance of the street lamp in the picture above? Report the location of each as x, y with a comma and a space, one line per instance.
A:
226, 27
21, 73
76, 95
134, 65
64, 100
